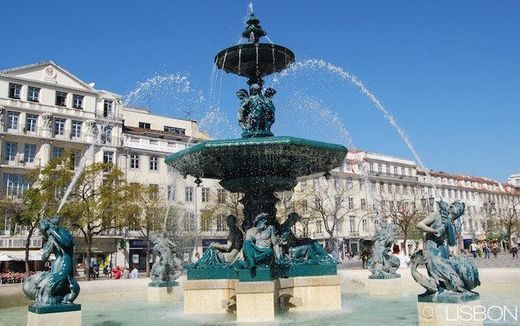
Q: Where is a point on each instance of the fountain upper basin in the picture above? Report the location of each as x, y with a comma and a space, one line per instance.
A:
255, 59
269, 163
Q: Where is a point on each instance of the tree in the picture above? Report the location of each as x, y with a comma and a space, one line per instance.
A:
327, 201
403, 209
99, 202
503, 216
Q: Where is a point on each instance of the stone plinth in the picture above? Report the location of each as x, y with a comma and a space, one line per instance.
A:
164, 294
58, 315
257, 301
451, 314
311, 293
209, 296
390, 287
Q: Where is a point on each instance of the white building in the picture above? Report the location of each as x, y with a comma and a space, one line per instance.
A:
514, 179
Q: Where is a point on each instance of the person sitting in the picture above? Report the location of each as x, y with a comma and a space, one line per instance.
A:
134, 274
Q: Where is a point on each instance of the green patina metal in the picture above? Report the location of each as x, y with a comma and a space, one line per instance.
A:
165, 284
212, 273
50, 309
300, 270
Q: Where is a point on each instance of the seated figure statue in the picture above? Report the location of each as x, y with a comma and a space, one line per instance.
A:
382, 264
261, 244
58, 286
223, 254
450, 279
301, 250
168, 267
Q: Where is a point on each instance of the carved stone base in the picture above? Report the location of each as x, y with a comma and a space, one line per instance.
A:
257, 301
311, 293
70, 315
164, 294
449, 314
209, 296
384, 287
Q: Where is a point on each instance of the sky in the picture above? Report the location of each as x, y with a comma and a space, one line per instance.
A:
448, 71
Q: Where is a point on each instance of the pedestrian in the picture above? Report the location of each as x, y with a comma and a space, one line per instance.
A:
494, 249
134, 274
117, 272
514, 251
126, 273
485, 248
473, 248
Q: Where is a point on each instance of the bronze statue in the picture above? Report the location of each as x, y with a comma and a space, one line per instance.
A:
382, 264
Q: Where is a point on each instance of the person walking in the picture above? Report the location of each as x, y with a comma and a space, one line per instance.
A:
486, 249
473, 247
494, 249
514, 251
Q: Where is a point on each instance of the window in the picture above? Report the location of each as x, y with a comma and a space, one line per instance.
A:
144, 125
175, 130
14, 185
61, 98
189, 222
154, 163
57, 152
75, 157
59, 126
205, 224
172, 145
15, 90
363, 203
221, 196
352, 225
12, 120
205, 195
317, 203
350, 203
135, 140
76, 129
188, 194
33, 94
108, 157
371, 167
29, 152
31, 121
364, 225
171, 192
154, 142
134, 161
77, 101
350, 184
108, 107
154, 191
106, 135
221, 223
318, 227
10, 151
304, 205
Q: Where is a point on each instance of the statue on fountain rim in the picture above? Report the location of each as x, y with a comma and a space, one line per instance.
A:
58, 286
450, 279
382, 264
168, 267
301, 250
223, 254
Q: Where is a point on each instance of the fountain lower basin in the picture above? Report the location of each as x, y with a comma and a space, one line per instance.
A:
272, 163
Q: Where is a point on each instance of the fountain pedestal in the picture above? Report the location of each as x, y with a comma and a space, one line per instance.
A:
214, 296
164, 294
58, 315
311, 293
470, 313
257, 301
387, 287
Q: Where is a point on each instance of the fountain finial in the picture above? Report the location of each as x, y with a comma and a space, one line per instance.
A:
253, 30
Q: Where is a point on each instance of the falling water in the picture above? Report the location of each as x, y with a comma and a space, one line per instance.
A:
322, 64
81, 166
146, 86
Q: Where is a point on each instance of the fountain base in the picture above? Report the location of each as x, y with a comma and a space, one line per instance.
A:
164, 294
209, 296
257, 301
56, 315
384, 287
311, 293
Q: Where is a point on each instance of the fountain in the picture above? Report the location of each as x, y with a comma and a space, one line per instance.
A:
271, 268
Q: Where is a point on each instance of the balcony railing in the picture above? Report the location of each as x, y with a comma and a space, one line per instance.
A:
393, 176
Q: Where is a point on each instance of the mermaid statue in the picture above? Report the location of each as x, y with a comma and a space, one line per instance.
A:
450, 279
58, 286
382, 264
168, 266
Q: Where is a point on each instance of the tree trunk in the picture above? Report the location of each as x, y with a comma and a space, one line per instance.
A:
89, 257
27, 246
148, 257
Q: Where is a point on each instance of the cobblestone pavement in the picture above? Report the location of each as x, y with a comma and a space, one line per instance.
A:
501, 261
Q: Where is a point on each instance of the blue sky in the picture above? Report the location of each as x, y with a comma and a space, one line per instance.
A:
447, 70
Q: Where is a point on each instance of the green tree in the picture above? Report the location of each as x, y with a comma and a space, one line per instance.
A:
100, 201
